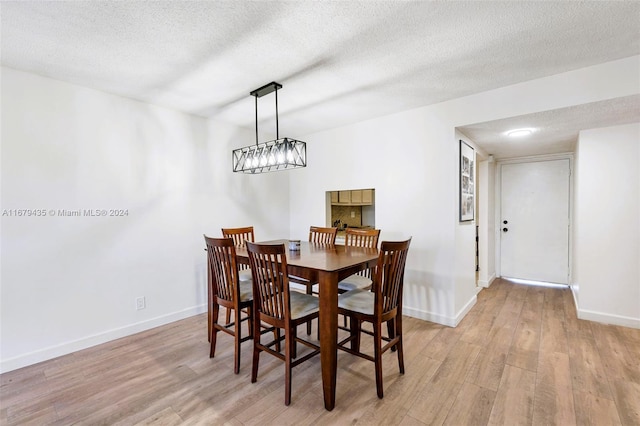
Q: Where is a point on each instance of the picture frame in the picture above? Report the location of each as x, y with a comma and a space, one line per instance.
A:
467, 182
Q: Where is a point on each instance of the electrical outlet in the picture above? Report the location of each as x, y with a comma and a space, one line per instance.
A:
140, 303
353, 214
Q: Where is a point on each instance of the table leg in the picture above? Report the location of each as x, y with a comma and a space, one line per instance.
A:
329, 335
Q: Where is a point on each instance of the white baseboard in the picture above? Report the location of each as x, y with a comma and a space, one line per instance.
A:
575, 295
429, 316
602, 317
96, 339
608, 318
438, 318
487, 283
465, 310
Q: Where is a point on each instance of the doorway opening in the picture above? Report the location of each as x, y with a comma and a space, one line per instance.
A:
350, 208
534, 219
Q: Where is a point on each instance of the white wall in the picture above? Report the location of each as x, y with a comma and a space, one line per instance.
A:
487, 219
71, 282
410, 158
399, 157
465, 233
606, 273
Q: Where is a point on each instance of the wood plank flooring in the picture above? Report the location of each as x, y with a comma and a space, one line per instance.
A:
519, 357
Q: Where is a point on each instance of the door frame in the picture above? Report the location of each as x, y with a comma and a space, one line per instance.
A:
498, 208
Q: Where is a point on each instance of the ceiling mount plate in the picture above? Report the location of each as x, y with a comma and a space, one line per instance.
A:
266, 89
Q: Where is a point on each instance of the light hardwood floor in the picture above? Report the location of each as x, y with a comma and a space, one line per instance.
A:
519, 357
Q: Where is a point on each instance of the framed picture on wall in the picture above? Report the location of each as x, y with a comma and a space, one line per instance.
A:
467, 182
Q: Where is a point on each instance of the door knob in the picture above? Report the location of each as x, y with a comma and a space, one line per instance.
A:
505, 229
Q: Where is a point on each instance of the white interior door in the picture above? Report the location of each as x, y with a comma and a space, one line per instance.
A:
534, 223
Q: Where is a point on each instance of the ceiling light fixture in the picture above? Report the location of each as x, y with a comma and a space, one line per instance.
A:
518, 133
278, 154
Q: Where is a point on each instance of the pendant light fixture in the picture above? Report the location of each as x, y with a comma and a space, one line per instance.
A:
278, 154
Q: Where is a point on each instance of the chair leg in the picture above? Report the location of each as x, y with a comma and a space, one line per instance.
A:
309, 291
237, 337
215, 310
400, 356
294, 347
209, 305
355, 331
399, 344
391, 329
228, 316
209, 322
256, 350
377, 349
250, 322
289, 345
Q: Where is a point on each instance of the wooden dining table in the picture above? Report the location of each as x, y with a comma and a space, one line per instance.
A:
326, 265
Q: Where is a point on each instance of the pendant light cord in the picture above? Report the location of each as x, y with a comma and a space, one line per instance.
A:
277, 127
256, 120
277, 124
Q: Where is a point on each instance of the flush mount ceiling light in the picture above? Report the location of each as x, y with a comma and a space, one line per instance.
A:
279, 154
518, 133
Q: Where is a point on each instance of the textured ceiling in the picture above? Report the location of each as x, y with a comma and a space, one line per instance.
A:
339, 62
554, 131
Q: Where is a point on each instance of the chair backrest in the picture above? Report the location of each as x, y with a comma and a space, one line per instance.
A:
389, 276
270, 282
223, 268
320, 235
239, 235
362, 237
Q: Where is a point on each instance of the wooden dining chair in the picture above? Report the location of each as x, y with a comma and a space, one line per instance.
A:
275, 305
359, 238
381, 305
317, 235
227, 290
321, 235
239, 236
